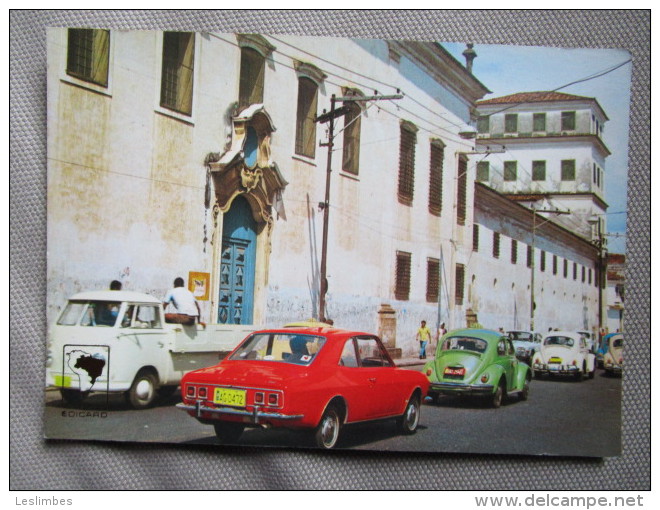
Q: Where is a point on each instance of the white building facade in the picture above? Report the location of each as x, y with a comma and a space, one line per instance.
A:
197, 155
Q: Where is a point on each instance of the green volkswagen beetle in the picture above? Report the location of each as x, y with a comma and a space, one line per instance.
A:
480, 363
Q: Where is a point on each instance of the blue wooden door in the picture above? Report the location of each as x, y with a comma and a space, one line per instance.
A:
237, 265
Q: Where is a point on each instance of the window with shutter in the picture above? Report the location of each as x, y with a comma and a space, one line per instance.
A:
510, 170
460, 284
568, 170
251, 81
402, 290
432, 280
305, 125
483, 171
496, 245
351, 151
435, 177
461, 199
407, 164
176, 89
88, 55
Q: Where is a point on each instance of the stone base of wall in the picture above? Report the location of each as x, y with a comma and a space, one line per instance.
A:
395, 352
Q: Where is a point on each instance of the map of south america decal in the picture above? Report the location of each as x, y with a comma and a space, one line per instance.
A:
88, 365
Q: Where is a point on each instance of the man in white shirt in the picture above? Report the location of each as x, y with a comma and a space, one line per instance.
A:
183, 302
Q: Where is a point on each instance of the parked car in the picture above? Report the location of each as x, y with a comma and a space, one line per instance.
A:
590, 339
602, 348
564, 353
477, 362
116, 341
613, 358
526, 343
316, 378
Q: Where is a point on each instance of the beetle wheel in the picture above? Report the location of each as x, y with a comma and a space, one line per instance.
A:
228, 431
499, 395
524, 394
408, 422
327, 432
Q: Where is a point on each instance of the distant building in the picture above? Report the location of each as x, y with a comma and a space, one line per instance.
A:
616, 285
545, 150
554, 153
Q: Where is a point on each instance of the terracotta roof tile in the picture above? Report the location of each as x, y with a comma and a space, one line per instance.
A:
533, 97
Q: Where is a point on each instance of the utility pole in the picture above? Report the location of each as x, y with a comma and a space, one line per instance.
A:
330, 117
599, 242
533, 265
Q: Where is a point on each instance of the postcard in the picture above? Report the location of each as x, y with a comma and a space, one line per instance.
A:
334, 243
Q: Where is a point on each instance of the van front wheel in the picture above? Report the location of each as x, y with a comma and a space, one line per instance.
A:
143, 390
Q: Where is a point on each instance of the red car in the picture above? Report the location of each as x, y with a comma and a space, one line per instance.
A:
317, 378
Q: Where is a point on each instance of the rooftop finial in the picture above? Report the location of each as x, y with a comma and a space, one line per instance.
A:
469, 55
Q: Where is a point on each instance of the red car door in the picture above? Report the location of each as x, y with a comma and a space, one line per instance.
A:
381, 375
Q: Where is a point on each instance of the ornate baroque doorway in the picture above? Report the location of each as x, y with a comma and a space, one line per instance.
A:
237, 264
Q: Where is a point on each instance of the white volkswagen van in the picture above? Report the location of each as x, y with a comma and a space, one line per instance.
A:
118, 342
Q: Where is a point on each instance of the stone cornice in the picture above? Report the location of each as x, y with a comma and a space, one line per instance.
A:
513, 140
442, 67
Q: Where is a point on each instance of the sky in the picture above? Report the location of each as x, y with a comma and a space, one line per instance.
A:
509, 69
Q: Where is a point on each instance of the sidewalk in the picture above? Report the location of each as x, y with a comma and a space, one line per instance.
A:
411, 362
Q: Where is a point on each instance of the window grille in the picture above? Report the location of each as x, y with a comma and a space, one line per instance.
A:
510, 170
177, 71
461, 201
402, 290
538, 170
88, 55
568, 170
432, 280
511, 123
435, 178
496, 245
539, 122
483, 171
407, 165
460, 283
483, 124
514, 251
568, 121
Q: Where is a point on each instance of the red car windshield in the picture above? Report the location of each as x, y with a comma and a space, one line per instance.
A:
291, 347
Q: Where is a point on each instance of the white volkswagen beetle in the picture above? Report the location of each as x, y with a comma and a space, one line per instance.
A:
613, 358
564, 353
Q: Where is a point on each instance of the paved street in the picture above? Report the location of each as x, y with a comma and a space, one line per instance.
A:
561, 417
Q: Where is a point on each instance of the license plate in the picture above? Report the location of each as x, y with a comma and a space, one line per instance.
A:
555, 360
228, 397
454, 371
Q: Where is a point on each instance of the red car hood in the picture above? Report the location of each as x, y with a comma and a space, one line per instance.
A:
248, 373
